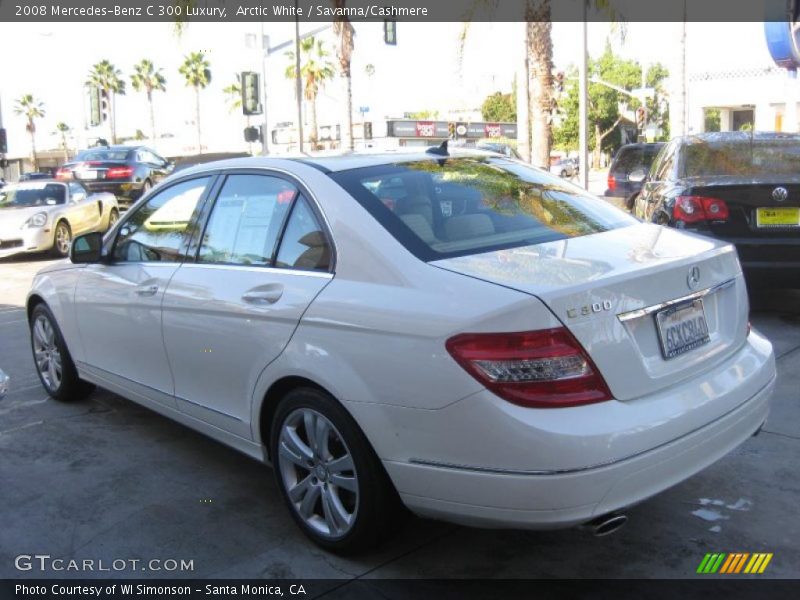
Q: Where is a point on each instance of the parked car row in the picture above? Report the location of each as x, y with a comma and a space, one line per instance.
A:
360, 321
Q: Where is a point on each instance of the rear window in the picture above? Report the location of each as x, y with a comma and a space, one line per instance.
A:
743, 157
455, 207
103, 154
635, 157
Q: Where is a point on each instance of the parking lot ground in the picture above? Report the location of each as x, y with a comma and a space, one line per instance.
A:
106, 479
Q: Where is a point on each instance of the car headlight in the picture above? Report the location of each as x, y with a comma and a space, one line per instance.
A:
37, 220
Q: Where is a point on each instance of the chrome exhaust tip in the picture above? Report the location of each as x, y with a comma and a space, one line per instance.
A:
606, 524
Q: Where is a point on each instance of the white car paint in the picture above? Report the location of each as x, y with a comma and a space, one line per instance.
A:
373, 335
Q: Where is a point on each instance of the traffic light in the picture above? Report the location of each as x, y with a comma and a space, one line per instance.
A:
390, 33
641, 118
3, 141
251, 93
94, 106
252, 134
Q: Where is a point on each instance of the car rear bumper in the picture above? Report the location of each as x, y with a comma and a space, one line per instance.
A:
770, 258
493, 496
130, 190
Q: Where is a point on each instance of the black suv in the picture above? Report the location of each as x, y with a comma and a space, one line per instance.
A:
630, 158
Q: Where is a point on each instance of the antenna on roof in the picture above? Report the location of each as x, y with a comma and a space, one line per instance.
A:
440, 150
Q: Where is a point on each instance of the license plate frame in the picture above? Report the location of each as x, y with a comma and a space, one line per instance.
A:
766, 220
672, 317
88, 174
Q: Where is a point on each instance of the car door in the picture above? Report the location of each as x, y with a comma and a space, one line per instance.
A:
232, 311
159, 167
118, 301
84, 213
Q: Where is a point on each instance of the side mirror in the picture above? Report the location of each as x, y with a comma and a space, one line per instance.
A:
637, 176
87, 248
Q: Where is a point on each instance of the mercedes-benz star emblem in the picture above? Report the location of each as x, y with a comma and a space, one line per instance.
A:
693, 280
779, 194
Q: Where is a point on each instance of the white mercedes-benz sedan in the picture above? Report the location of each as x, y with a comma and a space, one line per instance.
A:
460, 334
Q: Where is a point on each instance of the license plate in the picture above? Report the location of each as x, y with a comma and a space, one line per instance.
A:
778, 217
88, 175
682, 328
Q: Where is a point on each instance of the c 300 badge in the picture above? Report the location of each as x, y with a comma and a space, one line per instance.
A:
589, 309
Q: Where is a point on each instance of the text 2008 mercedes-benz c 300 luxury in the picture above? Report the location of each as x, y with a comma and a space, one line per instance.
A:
462, 334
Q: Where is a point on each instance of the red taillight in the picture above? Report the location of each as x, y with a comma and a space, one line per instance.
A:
119, 172
64, 173
612, 182
692, 209
538, 369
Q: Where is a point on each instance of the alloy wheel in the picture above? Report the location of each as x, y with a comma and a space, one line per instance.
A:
46, 353
63, 239
318, 473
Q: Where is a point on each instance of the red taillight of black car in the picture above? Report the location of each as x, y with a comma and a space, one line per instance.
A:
694, 209
538, 369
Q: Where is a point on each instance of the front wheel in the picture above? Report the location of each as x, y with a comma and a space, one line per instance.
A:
53, 362
328, 474
62, 240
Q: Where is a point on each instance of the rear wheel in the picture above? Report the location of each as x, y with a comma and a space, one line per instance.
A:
52, 359
563, 174
146, 186
328, 474
62, 239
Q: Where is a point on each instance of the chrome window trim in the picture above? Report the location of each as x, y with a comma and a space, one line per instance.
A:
259, 269
648, 310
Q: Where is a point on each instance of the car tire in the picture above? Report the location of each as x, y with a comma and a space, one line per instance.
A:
52, 359
146, 187
62, 240
339, 495
113, 217
563, 174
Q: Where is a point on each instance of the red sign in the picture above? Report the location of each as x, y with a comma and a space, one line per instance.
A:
493, 130
426, 129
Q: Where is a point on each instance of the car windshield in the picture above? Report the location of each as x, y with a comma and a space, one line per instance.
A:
443, 208
745, 157
103, 154
635, 157
32, 194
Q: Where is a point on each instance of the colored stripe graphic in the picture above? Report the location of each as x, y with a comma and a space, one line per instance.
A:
734, 563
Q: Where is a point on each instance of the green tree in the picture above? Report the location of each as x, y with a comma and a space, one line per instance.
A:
711, 119
345, 43
606, 105
63, 130
315, 70
106, 77
32, 109
196, 71
148, 79
500, 107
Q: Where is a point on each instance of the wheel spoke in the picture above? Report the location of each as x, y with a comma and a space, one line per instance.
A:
38, 332
294, 449
335, 515
321, 438
310, 422
345, 482
41, 359
341, 464
298, 492
51, 372
309, 502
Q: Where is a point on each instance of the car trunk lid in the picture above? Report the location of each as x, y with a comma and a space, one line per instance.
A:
607, 289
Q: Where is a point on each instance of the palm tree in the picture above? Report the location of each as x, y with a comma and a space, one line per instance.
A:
196, 70
31, 109
147, 78
344, 32
63, 130
313, 72
107, 78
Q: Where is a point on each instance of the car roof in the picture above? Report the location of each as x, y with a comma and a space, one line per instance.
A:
641, 145
41, 180
738, 136
337, 162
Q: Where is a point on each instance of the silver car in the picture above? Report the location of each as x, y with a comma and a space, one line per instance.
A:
46, 214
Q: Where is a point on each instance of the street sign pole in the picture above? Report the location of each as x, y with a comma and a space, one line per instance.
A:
264, 55
298, 84
583, 163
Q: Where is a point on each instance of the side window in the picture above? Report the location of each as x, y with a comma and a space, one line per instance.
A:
304, 245
76, 192
246, 220
155, 232
663, 168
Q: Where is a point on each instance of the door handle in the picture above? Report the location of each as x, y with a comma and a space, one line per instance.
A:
264, 296
146, 290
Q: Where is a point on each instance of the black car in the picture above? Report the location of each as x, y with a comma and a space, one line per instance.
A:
125, 171
629, 159
741, 187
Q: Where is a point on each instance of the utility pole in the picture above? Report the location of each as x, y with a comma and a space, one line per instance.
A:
265, 127
583, 138
298, 84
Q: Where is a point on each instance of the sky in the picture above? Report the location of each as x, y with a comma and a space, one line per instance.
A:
423, 72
